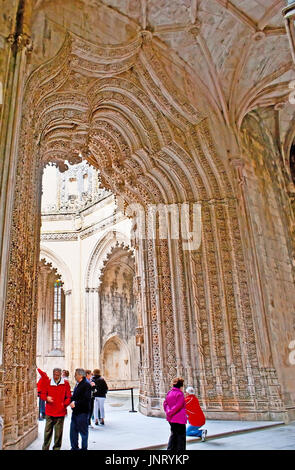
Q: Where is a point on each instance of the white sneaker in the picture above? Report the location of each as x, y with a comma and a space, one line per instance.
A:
204, 434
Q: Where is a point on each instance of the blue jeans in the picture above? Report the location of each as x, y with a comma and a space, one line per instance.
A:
194, 431
79, 425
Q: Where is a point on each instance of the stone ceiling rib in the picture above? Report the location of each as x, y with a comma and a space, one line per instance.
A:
214, 76
236, 78
143, 5
271, 31
270, 13
258, 88
238, 14
194, 10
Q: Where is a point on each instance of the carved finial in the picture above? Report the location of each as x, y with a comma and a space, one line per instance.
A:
146, 35
258, 36
194, 29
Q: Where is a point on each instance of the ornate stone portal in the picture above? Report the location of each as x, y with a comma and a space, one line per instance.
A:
116, 107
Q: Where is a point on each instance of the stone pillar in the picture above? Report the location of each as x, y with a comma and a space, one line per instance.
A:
1, 433
159, 352
68, 334
17, 326
20, 45
93, 336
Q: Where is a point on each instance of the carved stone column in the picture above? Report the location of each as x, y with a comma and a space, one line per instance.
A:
93, 326
263, 382
20, 46
17, 327
68, 335
159, 364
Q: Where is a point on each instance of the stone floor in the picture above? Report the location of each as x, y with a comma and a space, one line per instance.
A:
276, 438
125, 431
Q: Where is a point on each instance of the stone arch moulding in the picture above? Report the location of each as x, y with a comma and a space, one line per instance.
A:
98, 255
92, 301
114, 338
60, 265
117, 107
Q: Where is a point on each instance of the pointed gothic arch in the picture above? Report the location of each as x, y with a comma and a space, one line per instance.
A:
126, 117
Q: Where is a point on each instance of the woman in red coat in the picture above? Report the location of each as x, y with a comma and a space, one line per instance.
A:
195, 415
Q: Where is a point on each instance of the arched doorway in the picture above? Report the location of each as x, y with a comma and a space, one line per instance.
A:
119, 318
117, 108
116, 363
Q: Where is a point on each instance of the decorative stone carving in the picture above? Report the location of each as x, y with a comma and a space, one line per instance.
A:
151, 146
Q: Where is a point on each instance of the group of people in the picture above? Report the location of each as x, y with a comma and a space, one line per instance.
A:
179, 409
87, 397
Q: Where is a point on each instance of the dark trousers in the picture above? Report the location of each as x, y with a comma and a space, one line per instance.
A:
79, 425
91, 410
177, 439
41, 408
55, 423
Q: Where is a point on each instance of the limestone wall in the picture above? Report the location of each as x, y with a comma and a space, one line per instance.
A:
272, 222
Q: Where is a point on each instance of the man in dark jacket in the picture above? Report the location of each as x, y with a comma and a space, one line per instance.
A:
99, 390
80, 404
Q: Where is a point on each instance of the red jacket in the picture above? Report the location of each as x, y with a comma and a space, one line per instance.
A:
60, 393
42, 381
194, 412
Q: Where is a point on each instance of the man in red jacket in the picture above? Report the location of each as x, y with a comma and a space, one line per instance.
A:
57, 394
195, 415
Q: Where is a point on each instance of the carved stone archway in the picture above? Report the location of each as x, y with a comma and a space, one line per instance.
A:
117, 108
116, 362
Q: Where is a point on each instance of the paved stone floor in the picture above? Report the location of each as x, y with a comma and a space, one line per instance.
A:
125, 431
276, 438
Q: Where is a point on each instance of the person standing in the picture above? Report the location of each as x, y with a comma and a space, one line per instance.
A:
80, 404
66, 375
40, 384
56, 393
100, 389
174, 406
89, 380
195, 415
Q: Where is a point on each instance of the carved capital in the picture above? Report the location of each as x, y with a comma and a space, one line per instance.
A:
20, 41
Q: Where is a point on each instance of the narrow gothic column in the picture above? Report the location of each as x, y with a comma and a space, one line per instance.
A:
158, 322
92, 313
263, 344
68, 334
20, 46
17, 405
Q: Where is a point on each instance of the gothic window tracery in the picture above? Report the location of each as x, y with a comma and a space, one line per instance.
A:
57, 343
